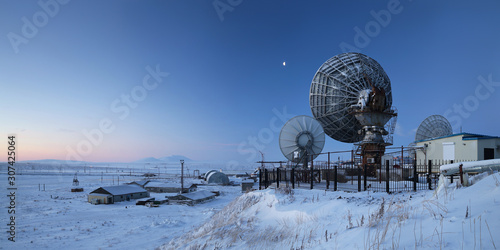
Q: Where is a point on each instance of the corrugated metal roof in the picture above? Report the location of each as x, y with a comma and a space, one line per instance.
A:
168, 184
465, 136
198, 195
97, 194
163, 184
123, 189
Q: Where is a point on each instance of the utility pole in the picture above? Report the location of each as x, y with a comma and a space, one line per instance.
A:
182, 176
262, 161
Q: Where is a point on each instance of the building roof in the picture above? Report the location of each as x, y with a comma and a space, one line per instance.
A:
119, 190
102, 195
465, 136
198, 195
142, 183
218, 178
168, 185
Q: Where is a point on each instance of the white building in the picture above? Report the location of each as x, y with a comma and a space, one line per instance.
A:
457, 148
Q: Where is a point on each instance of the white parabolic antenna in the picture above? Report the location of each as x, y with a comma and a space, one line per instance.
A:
432, 127
301, 137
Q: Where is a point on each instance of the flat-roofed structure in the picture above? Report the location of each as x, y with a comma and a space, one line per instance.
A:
458, 147
112, 194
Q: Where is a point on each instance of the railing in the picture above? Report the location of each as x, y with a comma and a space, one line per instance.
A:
398, 172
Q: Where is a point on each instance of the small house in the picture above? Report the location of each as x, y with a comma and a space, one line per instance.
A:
191, 198
112, 194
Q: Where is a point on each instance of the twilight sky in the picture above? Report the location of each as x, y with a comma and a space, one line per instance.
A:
124, 80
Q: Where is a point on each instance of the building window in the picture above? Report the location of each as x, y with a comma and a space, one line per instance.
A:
489, 153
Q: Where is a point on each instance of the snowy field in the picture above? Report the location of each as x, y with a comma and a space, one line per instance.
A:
451, 218
59, 219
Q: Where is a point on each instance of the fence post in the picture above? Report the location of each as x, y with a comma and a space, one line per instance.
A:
312, 173
292, 177
415, 175
260, 179
328, 172
387, 176
364, 177
277, 178
359, 179
273, 179
335, 178
266, 178
429, 175
460, 169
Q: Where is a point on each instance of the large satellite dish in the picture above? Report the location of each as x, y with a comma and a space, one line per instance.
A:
432, 127
301, 137
342, 82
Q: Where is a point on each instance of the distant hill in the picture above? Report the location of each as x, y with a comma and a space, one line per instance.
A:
175, 158
172, 158
147, 160
54, 161
166, 159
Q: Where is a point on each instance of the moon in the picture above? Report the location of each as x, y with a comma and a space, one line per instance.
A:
284, 63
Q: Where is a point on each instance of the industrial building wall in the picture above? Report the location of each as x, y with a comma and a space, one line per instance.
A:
489, 143
102, 199
466, 150
462, 150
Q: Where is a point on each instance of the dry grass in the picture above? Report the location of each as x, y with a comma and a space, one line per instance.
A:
497, 182
435, 208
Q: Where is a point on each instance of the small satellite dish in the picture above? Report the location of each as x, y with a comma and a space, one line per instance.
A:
301, 137
432, 127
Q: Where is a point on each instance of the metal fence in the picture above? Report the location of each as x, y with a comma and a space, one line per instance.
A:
398, 172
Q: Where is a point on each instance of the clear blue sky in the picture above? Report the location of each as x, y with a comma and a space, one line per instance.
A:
226, 76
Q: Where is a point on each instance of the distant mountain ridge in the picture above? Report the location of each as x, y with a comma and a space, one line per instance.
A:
169, 159
172, 158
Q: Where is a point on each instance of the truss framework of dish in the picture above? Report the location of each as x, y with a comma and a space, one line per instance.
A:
336, 86
432, 127
301, 135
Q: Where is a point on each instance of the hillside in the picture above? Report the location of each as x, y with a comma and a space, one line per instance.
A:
451, 217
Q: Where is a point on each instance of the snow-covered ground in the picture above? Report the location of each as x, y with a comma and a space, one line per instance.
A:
454, 218
59, 219
451, 218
